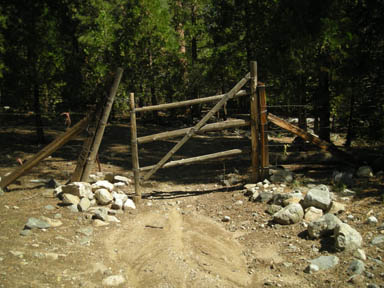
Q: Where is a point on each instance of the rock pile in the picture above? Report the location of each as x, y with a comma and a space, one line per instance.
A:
316, 207
102, 198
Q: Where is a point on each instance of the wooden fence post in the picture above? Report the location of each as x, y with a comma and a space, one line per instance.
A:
264, 156
255, 151
94, 144
135, 151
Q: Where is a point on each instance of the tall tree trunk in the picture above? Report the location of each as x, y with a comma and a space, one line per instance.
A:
350, 132
152, 84
302, 115
196, 109
324, 99
38, 120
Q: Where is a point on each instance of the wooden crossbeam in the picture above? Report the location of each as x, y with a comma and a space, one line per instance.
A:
192, 160
209, 127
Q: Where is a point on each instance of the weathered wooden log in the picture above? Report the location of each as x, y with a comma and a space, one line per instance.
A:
264, 156
45, 152
135, 150
255, 132
94, 144
198, 126
187, 102
313, 139
228, 124
192, 160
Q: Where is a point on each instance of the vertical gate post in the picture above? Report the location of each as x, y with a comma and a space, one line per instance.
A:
135, 151
255, 151
264, 156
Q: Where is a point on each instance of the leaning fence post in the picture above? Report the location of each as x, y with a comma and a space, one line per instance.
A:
135, 151
263, 132
254, 124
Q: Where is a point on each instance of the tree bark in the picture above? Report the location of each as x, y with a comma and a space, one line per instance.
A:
38, 121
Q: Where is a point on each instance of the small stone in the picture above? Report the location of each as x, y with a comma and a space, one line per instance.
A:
291, 214
323, 226
272, 209
49, 207
70, 199
100, 213
312, 214
73, 208
103, 184
364, 172
123, 179
103, 196
112, 218
36, 223
265, 197
312, 268
84, 204
356, 267
318, 197
360, 254
378, 240
25, 232
325, 262
226, 219
347, 238
79, 189
372, 220
113, 280
357, 279
57, 216
117, 204
239, 202
336, 208
129, 204
100, 223
52, 222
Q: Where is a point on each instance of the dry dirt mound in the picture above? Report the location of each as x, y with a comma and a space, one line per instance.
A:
174, 250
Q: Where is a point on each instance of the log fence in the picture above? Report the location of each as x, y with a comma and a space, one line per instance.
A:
258, 139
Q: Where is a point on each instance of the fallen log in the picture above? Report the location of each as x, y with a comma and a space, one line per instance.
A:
346, 157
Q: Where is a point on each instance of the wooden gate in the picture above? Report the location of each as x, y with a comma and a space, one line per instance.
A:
257, 123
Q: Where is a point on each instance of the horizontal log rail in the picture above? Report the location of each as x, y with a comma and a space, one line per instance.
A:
187, 102
192, 160
228, 124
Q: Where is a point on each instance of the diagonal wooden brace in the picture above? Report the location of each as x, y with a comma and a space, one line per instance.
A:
197, 127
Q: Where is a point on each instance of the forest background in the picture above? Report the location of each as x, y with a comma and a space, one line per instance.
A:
318, 59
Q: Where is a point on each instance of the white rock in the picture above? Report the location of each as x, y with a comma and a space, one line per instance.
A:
312, 213
117, 204
80, 189
318, 197
70, 199
112, 218
123, 179
290, 214
84, 204
372, 220
336, 208
360, 254
129, 204
122, 197
103, 184
103, 196
347, 238
113, 280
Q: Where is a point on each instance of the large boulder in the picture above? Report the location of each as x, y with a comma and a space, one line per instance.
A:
347, 238
318, 197
290, 214
323, 226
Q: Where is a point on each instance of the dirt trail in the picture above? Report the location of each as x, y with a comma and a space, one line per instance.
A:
175, 250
